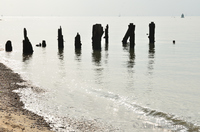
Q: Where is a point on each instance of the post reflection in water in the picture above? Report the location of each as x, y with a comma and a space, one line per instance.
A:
131, 61
125, 47
61, 72
151, 47
150, 67
7, 54
44, 51
151, 57
96, 58
78, 54
26, 58
106, 47
130, 67
61, 54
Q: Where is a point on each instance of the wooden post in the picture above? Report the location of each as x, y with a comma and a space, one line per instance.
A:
78, 41
27, 46
8, 46
44, 43
151, 32
97, 32
130, 33
124, 41
60, 39
106, 34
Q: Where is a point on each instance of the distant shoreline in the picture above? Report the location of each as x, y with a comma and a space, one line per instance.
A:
99, 16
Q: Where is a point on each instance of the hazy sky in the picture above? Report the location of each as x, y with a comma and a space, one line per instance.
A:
100, 7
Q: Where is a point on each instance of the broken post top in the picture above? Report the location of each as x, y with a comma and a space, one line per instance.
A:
25, 33
60, 31
130, 33
27, 46
106, 34
78, 41
106, 30
107, 26
152, 24
97, 32
60, 38
152, 32
78, 35
131, 25
98, 29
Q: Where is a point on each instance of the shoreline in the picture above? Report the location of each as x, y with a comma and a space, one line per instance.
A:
14, 118
12, 115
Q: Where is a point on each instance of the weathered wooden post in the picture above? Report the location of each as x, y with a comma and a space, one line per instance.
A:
60, 39
151, 32
97, 32
78, 41
8, 46
106, 34
27, 46
25, 33
130, 33
124, 41
44, 43
39, 45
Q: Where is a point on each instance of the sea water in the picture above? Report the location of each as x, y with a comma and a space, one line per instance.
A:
117, 88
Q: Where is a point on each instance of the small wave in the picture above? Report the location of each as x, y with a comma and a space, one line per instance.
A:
172, 121
164, 120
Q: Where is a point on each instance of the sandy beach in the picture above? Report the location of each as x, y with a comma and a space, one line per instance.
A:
13, 118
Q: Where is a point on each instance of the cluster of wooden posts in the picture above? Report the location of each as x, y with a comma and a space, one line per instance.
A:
97, 33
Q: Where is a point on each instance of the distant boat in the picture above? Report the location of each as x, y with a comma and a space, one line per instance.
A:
182, 16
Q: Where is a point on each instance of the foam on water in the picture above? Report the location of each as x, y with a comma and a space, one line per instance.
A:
149, 118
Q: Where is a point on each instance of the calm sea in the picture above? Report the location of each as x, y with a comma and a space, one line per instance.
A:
113, 89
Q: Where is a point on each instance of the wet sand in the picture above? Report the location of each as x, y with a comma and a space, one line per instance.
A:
13, 118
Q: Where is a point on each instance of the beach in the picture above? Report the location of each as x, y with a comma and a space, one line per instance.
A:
12, 115
14, 118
